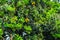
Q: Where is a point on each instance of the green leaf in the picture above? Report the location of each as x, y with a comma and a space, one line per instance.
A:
22, 20
1, 13
56, 35
19, 26
28, 28
13, 19
26, 1
10, 8
17, 37
1, 32
19, 3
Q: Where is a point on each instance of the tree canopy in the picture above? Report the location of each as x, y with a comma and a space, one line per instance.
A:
30, 19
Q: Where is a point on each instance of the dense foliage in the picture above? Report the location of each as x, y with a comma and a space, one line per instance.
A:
29, 19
